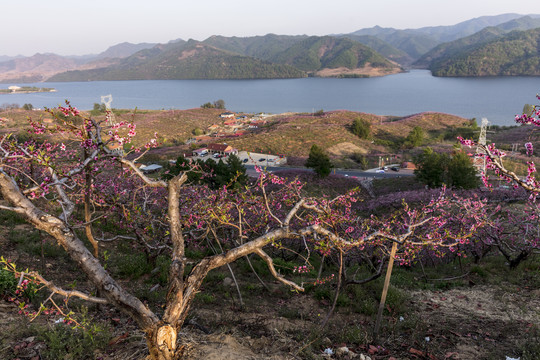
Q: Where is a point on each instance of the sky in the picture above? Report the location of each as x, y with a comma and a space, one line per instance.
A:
72, 27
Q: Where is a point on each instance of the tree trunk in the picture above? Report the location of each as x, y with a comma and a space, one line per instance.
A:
161, 340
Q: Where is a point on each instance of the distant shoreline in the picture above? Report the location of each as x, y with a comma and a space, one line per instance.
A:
25, 90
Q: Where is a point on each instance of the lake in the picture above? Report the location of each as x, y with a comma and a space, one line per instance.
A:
497, 98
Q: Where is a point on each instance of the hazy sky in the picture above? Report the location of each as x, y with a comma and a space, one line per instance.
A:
71, 27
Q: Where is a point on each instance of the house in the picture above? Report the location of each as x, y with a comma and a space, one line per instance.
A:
230, 123
213, 128
227, 115
222, 149
147, 169
116, 147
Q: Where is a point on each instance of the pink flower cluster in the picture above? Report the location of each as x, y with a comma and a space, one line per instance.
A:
301, 269
529, 148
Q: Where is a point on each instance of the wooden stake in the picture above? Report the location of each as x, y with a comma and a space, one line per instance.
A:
385, 291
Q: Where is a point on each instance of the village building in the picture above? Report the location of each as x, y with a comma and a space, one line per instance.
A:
227, 115
230, 122
222, 149
148, 169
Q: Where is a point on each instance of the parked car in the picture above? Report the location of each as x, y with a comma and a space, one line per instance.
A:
245, 160
394, 168
262, 159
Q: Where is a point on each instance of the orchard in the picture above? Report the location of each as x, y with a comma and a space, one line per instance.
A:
78, 181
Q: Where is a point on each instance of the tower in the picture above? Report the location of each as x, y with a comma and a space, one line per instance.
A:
479, 157
107, 100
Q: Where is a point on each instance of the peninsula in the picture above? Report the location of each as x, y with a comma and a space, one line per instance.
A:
25, 90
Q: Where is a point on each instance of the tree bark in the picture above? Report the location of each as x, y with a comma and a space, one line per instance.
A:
67, 238
161, 341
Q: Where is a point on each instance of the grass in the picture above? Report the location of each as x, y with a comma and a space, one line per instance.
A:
129, 266
35, 243
64, 342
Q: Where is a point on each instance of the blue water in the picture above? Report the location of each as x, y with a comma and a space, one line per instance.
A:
497, 98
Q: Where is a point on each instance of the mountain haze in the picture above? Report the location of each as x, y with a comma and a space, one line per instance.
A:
124, 50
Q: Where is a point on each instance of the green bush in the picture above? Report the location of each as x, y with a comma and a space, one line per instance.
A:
10, 218
64, 342
361, 128
8, 283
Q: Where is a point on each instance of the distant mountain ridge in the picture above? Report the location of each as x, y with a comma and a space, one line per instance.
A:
191, 60
124, 50
40, 67
443, 51
416, 42
366, 52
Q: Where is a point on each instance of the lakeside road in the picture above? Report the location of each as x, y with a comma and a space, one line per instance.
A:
359, 174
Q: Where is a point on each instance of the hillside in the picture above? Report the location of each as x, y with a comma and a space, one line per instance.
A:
260, 47
516, 53
40, 67
294, 134
446, 50
192, 60
34, 68
316, 54
226, 59
385, 49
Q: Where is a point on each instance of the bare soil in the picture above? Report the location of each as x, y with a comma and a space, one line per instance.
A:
468, 322
367, 70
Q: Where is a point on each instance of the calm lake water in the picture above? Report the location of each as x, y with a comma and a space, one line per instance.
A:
497, 98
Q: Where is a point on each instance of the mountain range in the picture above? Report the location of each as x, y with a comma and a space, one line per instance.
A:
507, 44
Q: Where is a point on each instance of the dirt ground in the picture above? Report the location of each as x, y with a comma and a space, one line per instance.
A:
470, 323
467, 322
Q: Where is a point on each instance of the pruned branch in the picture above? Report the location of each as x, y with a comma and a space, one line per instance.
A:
67, 293
270, 263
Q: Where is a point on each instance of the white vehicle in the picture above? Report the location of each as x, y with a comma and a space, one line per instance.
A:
203, 153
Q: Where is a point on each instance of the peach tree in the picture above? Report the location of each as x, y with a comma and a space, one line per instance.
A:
77, 166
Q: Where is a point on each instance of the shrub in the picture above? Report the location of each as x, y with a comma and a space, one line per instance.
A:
361, 128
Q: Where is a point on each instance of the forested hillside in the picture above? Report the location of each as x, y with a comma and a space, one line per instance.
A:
517, 53
263, 57
446, 50
192, 60
317, 53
